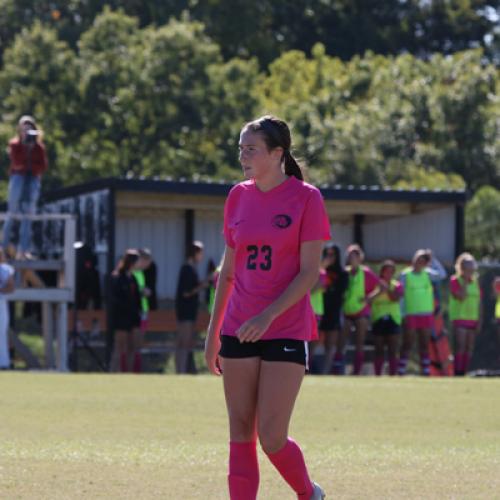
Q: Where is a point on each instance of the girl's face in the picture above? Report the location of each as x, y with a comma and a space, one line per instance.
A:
387, 274
354, 259
255, 159
420, 264
468, 269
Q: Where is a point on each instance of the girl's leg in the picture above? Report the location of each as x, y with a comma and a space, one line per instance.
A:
359, 355
378, 362
241, 379
406, 346
29, 208
331, 340
120, 351
392, 348
13, 204
338, 360
424, 337
136, 360
469, 349
460, 335
279, 385
183, 344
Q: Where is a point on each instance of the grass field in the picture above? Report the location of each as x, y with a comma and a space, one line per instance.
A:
145, 437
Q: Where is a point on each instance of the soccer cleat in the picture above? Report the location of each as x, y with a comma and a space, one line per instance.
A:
318, 493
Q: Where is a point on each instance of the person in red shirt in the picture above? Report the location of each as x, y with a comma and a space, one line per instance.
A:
28, 161
274, 226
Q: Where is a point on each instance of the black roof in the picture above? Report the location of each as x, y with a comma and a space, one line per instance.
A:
216, 188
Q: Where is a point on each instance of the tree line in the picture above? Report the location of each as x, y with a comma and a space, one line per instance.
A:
134, 97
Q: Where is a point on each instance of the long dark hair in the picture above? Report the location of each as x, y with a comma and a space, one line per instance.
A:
337, 265
127, 261
276, 134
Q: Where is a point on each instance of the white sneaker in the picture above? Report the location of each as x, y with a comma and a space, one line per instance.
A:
318, 493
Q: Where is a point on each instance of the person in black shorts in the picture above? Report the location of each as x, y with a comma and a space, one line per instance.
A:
336, 285
386, 317
186, 306
125, 308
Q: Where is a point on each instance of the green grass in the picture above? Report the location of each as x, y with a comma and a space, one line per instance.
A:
145, 437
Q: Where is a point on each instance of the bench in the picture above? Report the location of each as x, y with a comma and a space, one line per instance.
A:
160, 332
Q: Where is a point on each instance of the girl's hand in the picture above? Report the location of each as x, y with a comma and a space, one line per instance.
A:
212, 348
253, 329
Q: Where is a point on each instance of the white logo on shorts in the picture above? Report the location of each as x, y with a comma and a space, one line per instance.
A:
286, 349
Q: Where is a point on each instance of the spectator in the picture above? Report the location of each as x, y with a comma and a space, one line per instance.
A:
6, 286
28, 161
186, 305
361, 282
335, 287
464, 310
125, 308
419, 298
386, 317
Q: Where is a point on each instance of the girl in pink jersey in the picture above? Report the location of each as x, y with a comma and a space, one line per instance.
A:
464, 310
361, 282
274, 227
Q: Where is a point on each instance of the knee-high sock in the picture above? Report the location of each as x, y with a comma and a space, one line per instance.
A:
243, 477
359, 357
123, 362
137, 368
458, 364
393, 366
290, 464
378, 363
465, 362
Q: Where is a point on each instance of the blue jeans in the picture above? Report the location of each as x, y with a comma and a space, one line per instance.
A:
17, 204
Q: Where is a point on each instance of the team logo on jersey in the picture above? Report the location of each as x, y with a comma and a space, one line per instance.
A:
281, 221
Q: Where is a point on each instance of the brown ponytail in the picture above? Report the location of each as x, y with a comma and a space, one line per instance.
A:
291, 166
276, 134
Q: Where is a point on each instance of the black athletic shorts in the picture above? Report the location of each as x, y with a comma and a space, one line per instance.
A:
293, 351
385, 326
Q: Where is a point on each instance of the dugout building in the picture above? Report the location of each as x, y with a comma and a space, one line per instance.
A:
165, 216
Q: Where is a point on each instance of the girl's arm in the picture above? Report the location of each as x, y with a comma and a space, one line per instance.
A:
310, 256
9, 286
225, 283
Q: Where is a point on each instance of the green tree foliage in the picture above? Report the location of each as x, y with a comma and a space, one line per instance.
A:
268, 28
483, 223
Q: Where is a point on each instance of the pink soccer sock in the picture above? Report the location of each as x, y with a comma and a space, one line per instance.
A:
465, 362
243, 477
123, 363
458, 364
378, 363
359, 357
137, 363
290, 464
393, 366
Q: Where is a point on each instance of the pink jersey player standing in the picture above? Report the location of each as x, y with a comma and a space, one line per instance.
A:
274, 227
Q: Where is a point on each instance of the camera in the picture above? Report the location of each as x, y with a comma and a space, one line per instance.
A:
31, 136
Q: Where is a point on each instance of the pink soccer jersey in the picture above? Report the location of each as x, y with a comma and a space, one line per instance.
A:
266, 231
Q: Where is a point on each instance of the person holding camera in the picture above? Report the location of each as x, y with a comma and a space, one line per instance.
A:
28, 161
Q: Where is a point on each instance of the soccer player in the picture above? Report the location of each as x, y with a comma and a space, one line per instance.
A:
274, 227
336, 285
464, 310
125, 308
361, 282
386, 317
418, 282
